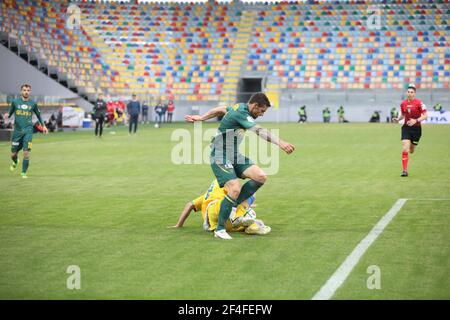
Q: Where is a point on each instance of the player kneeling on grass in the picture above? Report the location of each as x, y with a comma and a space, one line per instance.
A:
241, 219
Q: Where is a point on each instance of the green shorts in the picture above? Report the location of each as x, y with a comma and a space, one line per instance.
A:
21, 140
228, 169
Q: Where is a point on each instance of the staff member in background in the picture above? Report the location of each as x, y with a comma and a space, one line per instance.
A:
414, 112
170, 110
144, 113
99, 115
341, 113
158, 113
134, 109
394, 114
302, 114
438, 107
376, 116
164, 112
326, 113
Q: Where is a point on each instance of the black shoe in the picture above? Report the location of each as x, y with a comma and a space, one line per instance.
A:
404, 174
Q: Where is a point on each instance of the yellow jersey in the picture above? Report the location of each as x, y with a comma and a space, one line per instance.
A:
216, 194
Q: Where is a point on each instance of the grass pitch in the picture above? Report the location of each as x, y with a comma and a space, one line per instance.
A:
105, 205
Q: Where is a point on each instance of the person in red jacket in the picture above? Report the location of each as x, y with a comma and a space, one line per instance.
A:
170, 110
110, 112
414, 112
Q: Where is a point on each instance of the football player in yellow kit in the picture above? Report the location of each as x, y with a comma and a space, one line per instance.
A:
241, 219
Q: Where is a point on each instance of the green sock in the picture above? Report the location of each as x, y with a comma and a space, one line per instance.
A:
14, 159
25, 164
247, 190
225, 210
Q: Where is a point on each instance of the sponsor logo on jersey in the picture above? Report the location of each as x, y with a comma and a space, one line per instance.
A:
23, 113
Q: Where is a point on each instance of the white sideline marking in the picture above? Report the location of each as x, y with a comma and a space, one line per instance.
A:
448, 199
339, 276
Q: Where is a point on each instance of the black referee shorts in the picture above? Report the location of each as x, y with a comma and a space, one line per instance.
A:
412, 133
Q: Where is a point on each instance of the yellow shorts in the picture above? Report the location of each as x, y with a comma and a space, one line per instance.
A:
212, 214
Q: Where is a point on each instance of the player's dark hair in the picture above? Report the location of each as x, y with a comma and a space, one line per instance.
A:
259, 98
411, 87
25, 85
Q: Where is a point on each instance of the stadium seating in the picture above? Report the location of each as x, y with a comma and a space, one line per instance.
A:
179, 50
197, 52
40, 26
331, 46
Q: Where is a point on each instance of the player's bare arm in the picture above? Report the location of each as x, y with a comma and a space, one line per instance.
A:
213, 113
44, 128
184, 214
400, 118
38, 115
266, 135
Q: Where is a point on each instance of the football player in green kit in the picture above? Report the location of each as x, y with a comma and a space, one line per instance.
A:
22, 108
227, 163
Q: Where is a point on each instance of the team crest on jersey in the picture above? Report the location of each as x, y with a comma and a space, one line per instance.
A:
408, 108
24, 107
